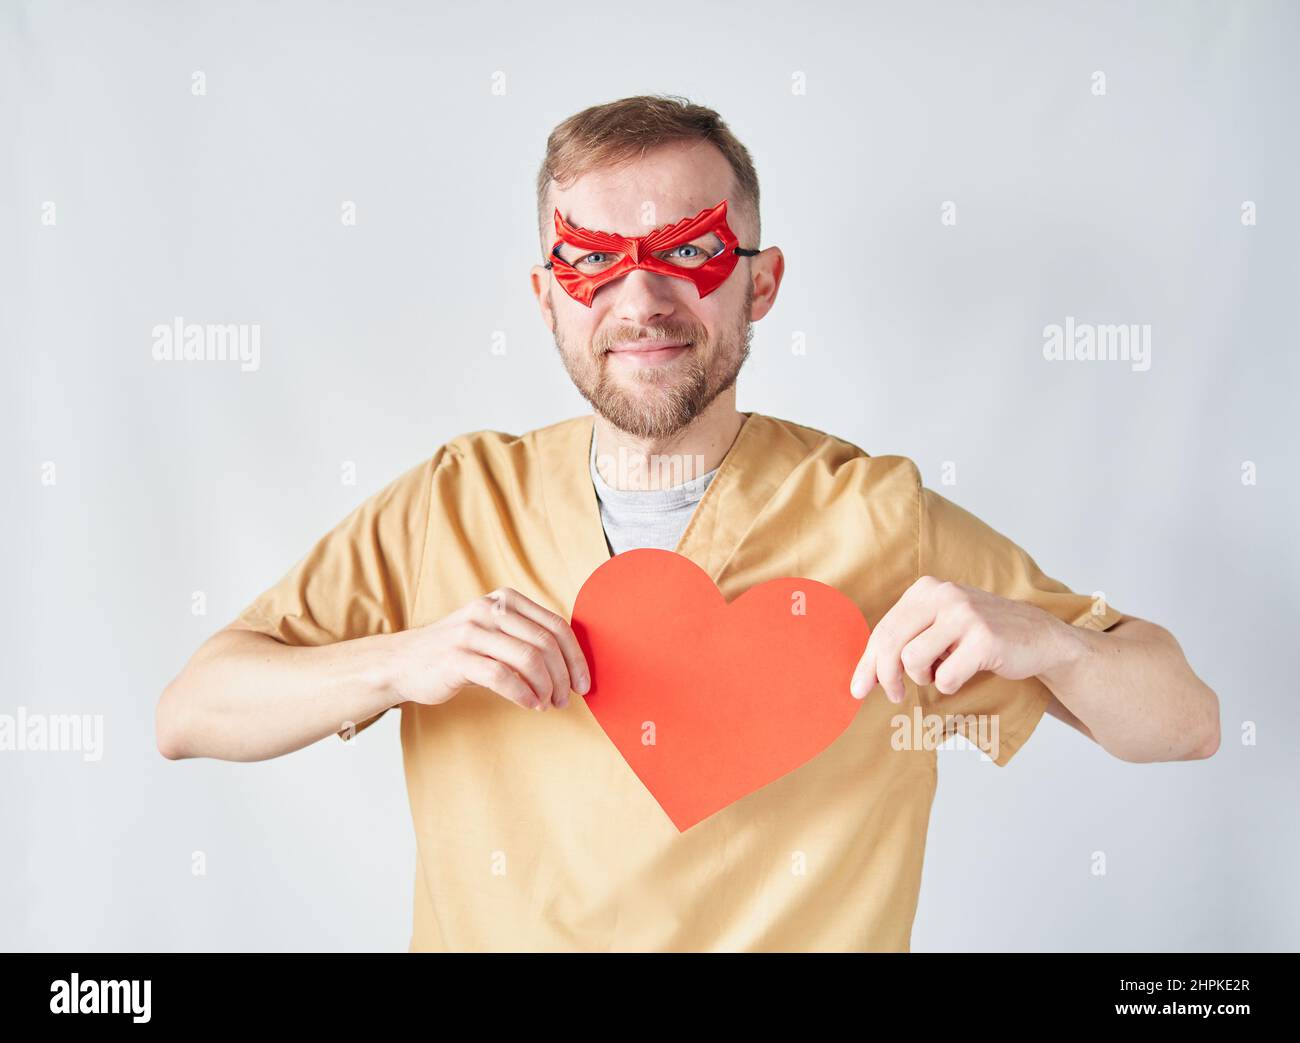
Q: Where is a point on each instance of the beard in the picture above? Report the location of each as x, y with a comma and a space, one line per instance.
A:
656, 402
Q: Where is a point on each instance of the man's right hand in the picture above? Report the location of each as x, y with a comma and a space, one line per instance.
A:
245, 696
502, 641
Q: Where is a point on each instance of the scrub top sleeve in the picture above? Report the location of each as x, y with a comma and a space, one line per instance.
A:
954, 544
359, 579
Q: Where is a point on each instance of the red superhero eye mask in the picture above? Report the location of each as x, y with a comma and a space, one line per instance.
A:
702, 249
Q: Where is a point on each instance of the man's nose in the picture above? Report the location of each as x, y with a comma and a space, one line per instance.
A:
645, 298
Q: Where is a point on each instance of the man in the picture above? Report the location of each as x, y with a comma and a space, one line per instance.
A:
448, 592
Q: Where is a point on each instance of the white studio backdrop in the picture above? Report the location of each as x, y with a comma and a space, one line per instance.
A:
945, 180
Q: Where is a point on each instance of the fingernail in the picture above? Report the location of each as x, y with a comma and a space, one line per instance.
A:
584, 682
562, 702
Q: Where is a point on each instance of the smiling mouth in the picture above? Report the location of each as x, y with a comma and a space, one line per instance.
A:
649, 352
649, 344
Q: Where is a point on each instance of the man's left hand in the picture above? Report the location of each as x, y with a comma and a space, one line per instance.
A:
943, 633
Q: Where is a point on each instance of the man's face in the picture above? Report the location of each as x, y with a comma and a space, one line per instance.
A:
649, 354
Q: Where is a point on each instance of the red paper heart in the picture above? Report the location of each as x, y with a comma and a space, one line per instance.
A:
733, 696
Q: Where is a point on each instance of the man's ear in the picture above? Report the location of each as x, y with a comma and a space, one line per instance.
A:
540, 278
768, 268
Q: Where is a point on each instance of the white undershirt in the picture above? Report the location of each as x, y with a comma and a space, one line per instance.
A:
646, 517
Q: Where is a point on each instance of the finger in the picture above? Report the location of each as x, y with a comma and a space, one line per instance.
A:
962, 664
887, 657
495, 676
910, 615
920, 655
574, 660
526, 660
864, 676
889, 673
525, 629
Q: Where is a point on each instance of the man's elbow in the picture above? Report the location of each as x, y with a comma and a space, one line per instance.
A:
1198, 747
1207, 744
1210, 746
167, 731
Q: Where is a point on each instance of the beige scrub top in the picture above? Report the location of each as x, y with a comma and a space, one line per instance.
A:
532, 831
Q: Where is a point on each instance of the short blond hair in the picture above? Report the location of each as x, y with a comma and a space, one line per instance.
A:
621, 131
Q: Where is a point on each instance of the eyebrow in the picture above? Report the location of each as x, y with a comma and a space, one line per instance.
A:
666, 224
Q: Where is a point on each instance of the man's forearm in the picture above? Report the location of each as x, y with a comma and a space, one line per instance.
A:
246, 697
1134, 690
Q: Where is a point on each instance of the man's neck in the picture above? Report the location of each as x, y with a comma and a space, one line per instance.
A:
627, 462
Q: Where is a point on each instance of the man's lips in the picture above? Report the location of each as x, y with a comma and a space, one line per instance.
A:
648, 353
647, 346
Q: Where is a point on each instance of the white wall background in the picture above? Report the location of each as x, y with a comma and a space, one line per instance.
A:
923, 339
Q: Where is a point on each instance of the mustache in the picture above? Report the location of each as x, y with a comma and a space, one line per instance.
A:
689, 334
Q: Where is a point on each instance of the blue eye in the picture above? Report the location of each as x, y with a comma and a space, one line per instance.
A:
597, 259
689, 255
